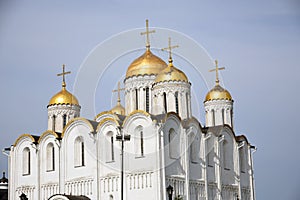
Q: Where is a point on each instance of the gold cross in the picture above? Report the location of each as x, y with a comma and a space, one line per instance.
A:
147, 32
217, 71
63, 75
169, 49
119, 90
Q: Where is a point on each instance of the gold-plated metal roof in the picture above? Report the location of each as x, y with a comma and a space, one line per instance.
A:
171, 73
146, 64
118, 109
63, 97
218, 93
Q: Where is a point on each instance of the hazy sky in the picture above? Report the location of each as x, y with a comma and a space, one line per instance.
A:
257, 41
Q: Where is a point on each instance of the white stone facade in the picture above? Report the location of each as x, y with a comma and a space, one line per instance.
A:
168, 146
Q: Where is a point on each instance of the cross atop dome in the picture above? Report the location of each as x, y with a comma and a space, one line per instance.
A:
119, 91
147, 32
217, 71
118, 109
63, 75
169, 49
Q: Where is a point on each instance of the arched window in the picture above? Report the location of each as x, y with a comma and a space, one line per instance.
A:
64, 120
110, 156
173, 144
50, 157
210, 157
176, 102
26, 161
227, 155
187, 104
242, 159
213, 117
165, 102
223, 116
147, 99
194, 147
53, 122
139, 141
136, 99
79, 152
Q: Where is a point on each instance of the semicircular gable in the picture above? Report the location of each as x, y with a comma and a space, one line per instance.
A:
169, 114
173, 117
106, 114
105, 121
76, 121
25, 135
46, 133
134, 114
228, 130
192, 122
241, 138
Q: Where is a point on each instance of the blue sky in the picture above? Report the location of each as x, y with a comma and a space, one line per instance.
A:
257, 41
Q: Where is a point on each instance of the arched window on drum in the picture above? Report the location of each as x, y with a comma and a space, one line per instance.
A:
79, 152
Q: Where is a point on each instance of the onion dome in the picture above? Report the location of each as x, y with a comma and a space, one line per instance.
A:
171, 73
218, 93
63, 97
146, 64
118, 109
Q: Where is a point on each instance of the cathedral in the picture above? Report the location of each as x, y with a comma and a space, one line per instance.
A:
151, 148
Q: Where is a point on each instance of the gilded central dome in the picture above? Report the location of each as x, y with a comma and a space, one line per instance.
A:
218, 93
171, 73
63, 97
148, 63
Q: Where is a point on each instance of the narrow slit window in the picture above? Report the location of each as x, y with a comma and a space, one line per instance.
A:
187, 104
136, 99
176, 102
79, 152
64, 120
53, 122
223, 116
142, 142
112, 148
50, 157
165, 102
147, 99
26, 161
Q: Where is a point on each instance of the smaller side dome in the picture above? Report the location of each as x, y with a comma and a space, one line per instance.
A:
218, 93
118, 109
171, 73
63, 97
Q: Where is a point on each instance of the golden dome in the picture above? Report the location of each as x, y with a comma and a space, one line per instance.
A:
147, 63
118, 109
171, 73
218, 93
63, 97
